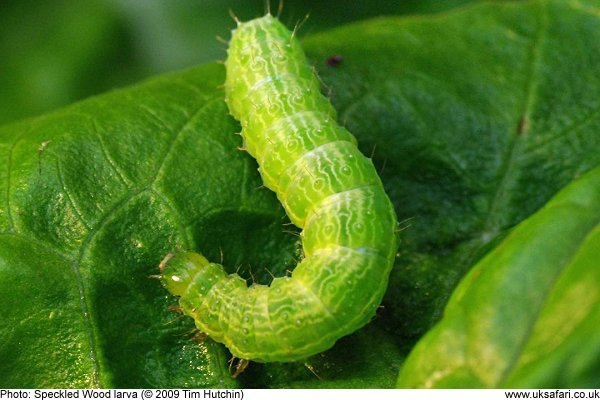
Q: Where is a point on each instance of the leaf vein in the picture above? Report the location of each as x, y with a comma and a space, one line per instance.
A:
77, 211
76, 265
169, 203
507, 172
574, 127
11, 224
109, 159
169, 151
9, 167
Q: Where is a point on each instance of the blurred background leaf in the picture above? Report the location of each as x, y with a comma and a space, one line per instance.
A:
55, 52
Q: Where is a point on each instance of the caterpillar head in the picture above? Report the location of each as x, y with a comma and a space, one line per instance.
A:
178, 270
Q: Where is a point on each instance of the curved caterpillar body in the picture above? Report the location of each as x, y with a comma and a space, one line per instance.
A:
326, 186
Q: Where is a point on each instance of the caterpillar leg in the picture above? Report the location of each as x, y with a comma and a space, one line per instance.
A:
199, 336
240, 366
176, 308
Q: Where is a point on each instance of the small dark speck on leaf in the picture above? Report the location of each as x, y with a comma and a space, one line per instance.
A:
523, 126
334, 60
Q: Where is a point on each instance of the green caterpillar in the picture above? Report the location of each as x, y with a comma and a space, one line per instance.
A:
327, 187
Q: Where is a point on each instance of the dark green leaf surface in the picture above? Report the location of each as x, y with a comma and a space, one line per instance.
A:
475, 118
528, 314
95, 195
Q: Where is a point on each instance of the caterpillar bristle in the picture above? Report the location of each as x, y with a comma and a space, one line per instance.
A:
164, 262
234, 17
222, 40
299, 24
312, 370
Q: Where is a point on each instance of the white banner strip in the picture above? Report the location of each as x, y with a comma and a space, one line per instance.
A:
299, 394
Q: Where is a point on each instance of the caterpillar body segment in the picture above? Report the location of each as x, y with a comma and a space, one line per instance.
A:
327, 187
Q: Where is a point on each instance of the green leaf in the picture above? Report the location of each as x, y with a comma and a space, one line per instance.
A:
475, 118
528, 314
93, 198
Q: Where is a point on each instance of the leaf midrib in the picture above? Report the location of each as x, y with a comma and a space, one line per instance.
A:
491, 226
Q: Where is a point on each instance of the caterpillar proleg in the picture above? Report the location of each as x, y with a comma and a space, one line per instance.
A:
327, 187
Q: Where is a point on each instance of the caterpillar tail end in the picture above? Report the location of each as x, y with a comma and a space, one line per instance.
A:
178, 270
